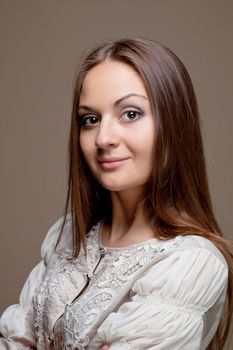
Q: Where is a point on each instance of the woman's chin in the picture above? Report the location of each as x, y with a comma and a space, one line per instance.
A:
122, 187
114, 187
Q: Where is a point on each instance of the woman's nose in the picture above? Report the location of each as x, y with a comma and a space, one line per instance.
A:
108, 134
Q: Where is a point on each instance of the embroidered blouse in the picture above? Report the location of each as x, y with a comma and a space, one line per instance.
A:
159, 295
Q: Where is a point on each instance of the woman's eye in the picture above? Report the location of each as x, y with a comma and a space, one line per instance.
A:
88, 120
131, 115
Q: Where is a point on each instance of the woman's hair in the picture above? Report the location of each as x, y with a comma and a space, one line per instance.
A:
177, 199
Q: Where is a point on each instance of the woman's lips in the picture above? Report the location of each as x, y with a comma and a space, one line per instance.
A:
111, 164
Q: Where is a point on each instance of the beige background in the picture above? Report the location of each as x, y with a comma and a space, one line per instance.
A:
41, 42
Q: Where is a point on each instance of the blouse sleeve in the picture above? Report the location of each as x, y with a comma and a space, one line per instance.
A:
17, 321
175, 305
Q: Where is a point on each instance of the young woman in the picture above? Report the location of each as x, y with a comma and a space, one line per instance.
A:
138, 260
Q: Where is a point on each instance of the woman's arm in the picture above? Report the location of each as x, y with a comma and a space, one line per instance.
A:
17, 330
177, 304
17, 322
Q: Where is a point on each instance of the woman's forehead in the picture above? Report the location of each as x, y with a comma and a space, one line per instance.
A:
111, 79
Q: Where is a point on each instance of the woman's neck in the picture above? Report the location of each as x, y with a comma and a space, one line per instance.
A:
129, 224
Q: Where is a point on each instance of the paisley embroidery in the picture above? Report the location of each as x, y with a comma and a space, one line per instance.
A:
117, 269
54, 276
60, 269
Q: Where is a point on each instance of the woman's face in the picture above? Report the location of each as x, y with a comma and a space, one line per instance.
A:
117, 127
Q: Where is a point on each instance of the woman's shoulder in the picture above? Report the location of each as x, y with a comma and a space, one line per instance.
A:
193, 269
49, 244
201, 243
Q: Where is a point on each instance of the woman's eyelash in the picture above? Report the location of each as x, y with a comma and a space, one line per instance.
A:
83, 119
139, 113
87, 120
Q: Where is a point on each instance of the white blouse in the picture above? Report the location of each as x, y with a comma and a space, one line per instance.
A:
160, 295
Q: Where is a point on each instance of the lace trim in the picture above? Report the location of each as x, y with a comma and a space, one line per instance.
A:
117, 268
54, 277
105, 287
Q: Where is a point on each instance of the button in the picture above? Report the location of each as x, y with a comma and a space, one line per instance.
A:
102, 250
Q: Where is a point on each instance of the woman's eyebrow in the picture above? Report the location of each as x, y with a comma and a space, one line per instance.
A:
116, 103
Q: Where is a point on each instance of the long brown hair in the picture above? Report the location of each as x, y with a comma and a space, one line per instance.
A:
177, 200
